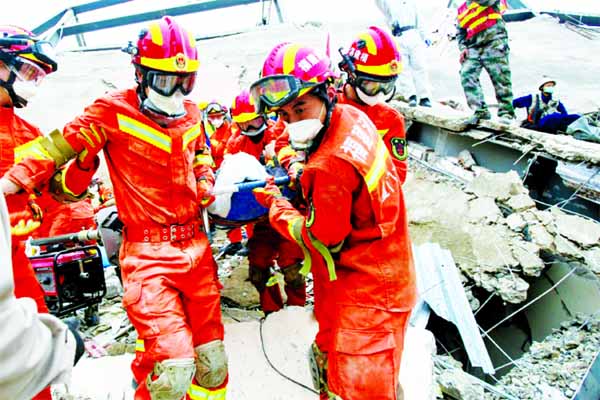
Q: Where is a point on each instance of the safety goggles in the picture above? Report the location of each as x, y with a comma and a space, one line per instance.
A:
27, 71
253, 127
167, 83
40, 50
372, 86
275, 91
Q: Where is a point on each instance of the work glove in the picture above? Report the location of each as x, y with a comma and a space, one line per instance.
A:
93, 140
295, 172
265, 196
24, 222
205, 195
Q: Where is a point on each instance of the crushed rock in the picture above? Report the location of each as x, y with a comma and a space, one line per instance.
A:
497, 186
580, 230
559, 362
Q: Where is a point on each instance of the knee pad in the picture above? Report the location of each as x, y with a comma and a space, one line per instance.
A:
259, 277
292, 276
173, 378
211, 364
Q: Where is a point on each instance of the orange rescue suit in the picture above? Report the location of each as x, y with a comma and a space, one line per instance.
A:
14, 136
218, 140
171, 289
356, 233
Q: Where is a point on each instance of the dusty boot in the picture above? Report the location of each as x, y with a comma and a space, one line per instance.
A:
425, 102
412, 101
232, 248
295, 285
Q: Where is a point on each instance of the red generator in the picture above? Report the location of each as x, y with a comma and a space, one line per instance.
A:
71, 273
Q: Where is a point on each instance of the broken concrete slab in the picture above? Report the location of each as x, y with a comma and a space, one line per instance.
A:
540, 236
491, 247
484, 209
526, 254
565, 248
497, 186
516, 222
580, 230
520, 202
592, 259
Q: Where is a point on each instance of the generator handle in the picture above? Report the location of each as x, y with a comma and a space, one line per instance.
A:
82, 236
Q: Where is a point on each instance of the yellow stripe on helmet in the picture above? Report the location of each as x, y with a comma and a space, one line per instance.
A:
289, 59
245, 117
392, 68
369, 42
171, 64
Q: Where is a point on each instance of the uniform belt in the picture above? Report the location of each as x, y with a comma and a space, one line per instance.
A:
399, 30
165, 233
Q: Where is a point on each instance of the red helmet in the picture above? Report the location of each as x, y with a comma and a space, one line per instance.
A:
290, 71
19, 42
302, 62
243, 109
166, 46
374, 52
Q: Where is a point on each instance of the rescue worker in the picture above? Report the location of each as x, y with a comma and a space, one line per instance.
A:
160, 168
218, 130
483, 44
252, 133
355, 232
372, 64
402, 17
24, 63
545, 112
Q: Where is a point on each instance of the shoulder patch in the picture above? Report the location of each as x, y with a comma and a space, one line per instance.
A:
399, 148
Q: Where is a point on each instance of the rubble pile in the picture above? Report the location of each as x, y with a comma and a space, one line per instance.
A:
496, 234
559, 362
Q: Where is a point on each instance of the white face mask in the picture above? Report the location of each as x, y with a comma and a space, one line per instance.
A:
371, 100
216, 122
25, 89
303, 132
170, 105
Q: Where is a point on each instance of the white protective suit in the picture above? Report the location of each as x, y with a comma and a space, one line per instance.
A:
413, 80
35, 349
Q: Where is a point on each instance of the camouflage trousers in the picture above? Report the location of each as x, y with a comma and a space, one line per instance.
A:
494, 59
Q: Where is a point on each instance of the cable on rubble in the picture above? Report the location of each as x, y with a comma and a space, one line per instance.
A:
262, 345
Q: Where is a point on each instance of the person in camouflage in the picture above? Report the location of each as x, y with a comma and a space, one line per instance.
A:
483, 43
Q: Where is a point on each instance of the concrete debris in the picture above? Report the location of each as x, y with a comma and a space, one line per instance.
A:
559, 362
454, 381
238, 290
540, 236
520, 202
485, 210
466, 160
516, 222
491, 248
592, 259
580, 230
497, 186
527, 254
565, 248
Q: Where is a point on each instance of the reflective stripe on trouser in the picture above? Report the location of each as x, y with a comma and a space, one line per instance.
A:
364, 361
196, 392
172, 299
265, 247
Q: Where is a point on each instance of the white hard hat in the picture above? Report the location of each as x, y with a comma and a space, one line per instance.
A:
545, 80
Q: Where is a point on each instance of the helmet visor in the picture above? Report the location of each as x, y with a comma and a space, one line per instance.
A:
27, 71
372, 87
274, 91
41, 51
167, 83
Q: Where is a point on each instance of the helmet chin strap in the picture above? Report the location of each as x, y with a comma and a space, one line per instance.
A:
321, 92
17, 101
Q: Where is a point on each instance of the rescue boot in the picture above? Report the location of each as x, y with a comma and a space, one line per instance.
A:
232, 248
412, 101
425, 102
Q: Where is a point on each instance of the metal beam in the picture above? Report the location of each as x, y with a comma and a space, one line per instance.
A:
95, 5
153, 15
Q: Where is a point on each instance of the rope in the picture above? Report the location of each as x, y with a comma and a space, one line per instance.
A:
262, 344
